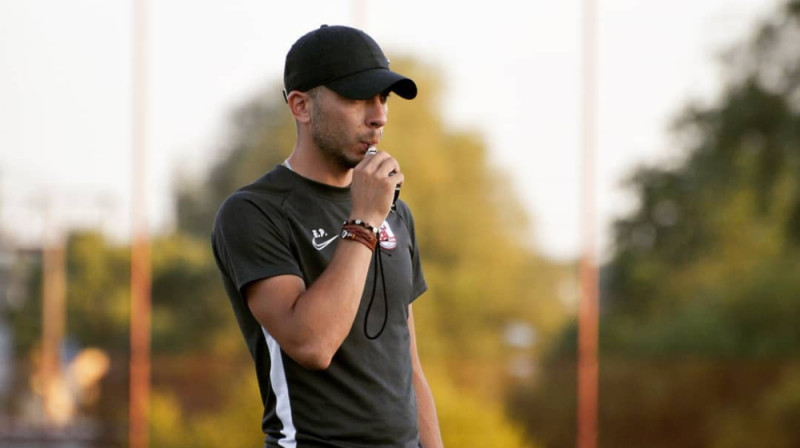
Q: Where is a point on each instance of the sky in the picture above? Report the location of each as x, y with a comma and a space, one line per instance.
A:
511, 70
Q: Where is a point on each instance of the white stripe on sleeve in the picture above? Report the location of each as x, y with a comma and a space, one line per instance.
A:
280, 387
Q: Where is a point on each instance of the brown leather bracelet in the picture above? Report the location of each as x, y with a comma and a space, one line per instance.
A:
356, 233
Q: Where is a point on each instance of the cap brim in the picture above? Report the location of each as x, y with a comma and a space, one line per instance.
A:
365, 85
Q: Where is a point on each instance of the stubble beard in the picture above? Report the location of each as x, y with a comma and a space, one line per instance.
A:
332, 146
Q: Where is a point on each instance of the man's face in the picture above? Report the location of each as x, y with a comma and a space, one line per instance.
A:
343, 129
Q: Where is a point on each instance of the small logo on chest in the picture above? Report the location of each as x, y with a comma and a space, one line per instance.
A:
319, 240
387, 239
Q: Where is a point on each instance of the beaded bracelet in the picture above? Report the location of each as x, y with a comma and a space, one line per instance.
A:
364, 224
357, 233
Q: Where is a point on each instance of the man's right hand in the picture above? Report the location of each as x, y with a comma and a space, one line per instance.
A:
372, 190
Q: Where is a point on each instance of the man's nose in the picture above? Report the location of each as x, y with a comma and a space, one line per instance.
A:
376, 112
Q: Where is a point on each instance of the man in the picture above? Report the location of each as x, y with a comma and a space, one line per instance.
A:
320, 266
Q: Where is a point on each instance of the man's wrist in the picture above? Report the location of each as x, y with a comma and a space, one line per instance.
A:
358, 233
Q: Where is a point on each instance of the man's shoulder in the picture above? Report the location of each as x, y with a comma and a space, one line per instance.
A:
264, 195
270, 187
274, 182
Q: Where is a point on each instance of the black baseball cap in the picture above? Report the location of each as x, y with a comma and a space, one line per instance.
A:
345, 60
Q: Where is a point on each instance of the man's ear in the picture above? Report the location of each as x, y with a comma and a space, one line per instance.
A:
300, 104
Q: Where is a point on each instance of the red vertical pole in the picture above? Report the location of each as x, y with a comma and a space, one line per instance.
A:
53, 323
140, 244
588, 309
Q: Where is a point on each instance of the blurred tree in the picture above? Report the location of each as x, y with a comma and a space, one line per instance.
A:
772, 420
700, 299
97, 297
188, 313
261, 136
713, 245
469, 421
235, 423
189, 319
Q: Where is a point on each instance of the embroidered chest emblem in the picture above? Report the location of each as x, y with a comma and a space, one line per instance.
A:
387, 238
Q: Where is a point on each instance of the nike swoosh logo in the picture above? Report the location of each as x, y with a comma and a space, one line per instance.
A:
324, 244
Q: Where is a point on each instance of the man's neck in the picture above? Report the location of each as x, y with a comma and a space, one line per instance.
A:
309, 163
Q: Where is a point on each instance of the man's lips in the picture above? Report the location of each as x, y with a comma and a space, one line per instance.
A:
369, 144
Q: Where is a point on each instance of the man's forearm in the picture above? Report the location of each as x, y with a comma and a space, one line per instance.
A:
310, 325
428, 422
429, 433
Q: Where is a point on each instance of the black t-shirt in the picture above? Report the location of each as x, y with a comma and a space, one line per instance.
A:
284, 224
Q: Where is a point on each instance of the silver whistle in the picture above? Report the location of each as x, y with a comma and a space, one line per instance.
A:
374, 150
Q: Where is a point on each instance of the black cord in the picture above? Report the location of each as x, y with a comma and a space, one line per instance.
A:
378, 266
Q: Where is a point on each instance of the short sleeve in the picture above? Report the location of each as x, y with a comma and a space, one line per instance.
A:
251, 241
418, 277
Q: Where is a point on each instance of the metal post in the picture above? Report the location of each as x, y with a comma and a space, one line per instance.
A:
588, 312
140, 244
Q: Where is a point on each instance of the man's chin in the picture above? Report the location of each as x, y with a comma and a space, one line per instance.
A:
347, 162
351, 160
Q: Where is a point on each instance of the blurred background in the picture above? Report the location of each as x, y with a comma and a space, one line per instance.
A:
696, 196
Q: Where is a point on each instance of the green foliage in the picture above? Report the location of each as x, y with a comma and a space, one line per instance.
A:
699, 338
714, 241
547, 406
262, 136
190, 313
187, 314
24, 314
771, 421
97, 301
469, 421
98, 292
236, 423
